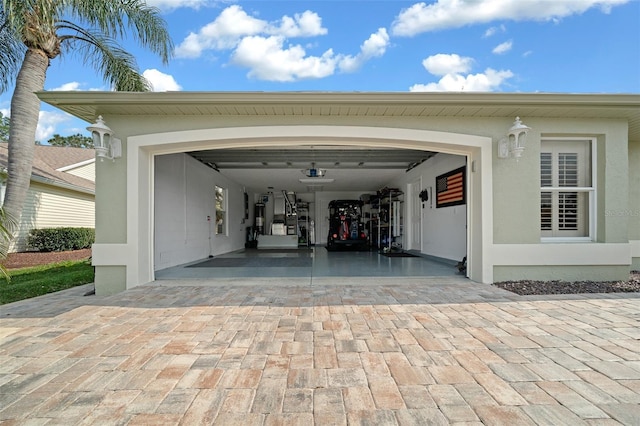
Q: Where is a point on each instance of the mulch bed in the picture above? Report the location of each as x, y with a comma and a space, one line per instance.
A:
26, 259
528, 287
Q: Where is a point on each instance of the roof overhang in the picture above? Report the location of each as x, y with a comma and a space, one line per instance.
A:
63, 185
56, 183
88, 105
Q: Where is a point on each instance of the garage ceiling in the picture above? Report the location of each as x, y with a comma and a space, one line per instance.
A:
347, 168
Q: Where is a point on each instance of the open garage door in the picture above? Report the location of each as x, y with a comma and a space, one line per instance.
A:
206, 203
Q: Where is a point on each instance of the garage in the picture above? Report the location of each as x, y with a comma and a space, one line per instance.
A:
156, 205
264, 212
153, 200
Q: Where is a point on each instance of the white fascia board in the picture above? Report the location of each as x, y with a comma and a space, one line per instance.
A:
60, 184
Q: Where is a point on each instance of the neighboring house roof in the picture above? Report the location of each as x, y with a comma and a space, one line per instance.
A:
48, 160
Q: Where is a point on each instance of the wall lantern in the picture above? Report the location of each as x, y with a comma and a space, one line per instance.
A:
104, 142
513, 144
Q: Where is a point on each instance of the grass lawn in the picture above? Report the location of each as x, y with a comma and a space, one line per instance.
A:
38, 280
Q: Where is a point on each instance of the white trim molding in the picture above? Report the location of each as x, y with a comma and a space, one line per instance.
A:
635, 248
141, 150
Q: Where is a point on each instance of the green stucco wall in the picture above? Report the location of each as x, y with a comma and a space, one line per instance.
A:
110, 280
634, 190
561, 273
516, 184
634, 198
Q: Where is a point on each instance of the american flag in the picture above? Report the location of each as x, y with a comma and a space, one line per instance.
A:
450, 188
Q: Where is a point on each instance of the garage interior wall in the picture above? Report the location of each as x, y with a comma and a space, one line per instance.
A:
444, 230
184, 201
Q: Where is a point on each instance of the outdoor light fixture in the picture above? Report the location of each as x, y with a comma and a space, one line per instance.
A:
105, 144
513, 144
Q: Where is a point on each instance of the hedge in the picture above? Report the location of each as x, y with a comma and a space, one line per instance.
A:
60, 239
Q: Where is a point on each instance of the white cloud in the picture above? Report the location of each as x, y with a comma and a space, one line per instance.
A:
233, 24
72, 86
223, 33
375, 46
454, 70
48, 121
445, 14
75, 86
264, 48
503, 47
161, 82
307, 24
268, 59
443, 64
494, 30
488, 81
175, 4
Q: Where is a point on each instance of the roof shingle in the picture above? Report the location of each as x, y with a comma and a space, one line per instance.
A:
47, 159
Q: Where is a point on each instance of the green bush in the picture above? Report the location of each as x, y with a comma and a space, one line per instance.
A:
60, 239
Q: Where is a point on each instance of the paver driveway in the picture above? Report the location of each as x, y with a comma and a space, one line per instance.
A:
405, 351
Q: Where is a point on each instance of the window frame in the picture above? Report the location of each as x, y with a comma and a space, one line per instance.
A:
221, 229
590, 191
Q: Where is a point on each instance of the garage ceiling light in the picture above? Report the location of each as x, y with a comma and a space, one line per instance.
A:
313, 172
317, 180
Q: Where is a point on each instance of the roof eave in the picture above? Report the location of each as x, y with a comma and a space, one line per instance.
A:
63, 185
88, 105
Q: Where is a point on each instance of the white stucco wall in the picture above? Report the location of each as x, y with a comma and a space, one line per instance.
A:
184, 203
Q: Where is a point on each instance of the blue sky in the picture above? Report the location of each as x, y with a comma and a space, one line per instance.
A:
568, 46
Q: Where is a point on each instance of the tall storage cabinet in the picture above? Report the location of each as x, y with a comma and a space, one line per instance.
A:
390, 221
304, 223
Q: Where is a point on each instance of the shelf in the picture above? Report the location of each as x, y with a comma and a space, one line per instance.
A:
389, 203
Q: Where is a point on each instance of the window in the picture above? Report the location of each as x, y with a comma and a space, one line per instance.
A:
221, 211
566, 189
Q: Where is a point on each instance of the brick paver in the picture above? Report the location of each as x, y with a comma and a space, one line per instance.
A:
399, 351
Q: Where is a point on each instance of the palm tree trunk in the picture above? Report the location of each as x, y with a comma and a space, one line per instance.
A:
25, 109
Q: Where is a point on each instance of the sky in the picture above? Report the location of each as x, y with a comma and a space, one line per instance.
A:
523, 46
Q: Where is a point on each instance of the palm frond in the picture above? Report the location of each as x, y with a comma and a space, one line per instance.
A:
114, 17
11, 53
116, 65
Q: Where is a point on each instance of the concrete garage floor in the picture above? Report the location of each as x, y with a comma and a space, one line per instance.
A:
312, 263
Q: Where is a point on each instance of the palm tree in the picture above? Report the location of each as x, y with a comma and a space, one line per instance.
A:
33, 32
7, 224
